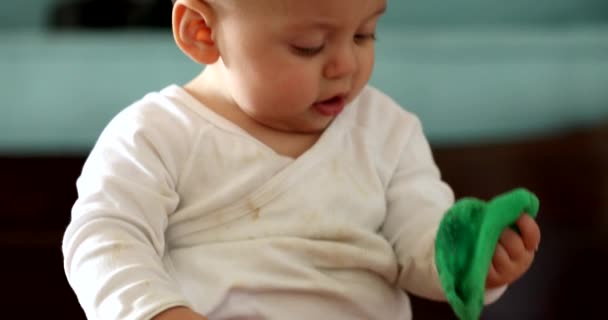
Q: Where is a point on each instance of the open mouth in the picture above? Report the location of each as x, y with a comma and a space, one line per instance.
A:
331, 107
332, 100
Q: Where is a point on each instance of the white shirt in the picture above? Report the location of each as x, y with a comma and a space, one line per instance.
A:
179, 206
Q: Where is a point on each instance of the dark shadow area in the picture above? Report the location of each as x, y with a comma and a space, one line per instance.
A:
111, 14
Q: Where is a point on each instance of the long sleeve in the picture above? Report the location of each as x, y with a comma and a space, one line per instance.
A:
417, 201
114, 246
417, 198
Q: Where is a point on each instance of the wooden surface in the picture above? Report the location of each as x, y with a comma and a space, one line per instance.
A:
569, 173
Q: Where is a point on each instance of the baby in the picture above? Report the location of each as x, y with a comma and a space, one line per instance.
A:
277, 184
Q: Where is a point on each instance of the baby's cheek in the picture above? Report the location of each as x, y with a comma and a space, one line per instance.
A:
299, 88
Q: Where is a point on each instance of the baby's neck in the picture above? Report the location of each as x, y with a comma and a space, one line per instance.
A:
208, 89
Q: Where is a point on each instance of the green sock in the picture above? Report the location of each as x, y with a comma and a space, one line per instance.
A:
465, 245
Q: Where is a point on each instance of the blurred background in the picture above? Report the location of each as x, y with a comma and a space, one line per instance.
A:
511, 93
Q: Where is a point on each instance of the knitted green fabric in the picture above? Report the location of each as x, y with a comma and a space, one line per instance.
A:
465, 245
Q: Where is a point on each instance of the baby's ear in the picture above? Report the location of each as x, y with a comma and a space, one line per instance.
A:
192, 30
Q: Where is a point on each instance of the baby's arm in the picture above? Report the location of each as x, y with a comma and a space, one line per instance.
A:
115, 244
416, 202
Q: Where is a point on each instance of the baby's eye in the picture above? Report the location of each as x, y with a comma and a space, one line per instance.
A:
362, 37
307, 51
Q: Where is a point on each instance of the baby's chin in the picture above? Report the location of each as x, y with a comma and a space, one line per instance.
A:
312, 128
305, 123
301, 130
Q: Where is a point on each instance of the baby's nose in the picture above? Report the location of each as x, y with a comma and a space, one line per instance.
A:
343, 63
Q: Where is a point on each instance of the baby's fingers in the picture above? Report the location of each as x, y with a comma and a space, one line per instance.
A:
501, 261
513, 244
530, 232
500, 268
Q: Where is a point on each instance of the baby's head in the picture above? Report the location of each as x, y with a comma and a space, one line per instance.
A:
291, 65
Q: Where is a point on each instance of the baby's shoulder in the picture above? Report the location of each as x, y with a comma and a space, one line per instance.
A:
158, 109
158, 114
157, 121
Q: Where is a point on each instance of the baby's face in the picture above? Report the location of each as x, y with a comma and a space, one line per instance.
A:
293, 65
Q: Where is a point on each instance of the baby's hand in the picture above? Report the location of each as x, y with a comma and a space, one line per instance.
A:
514, 253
